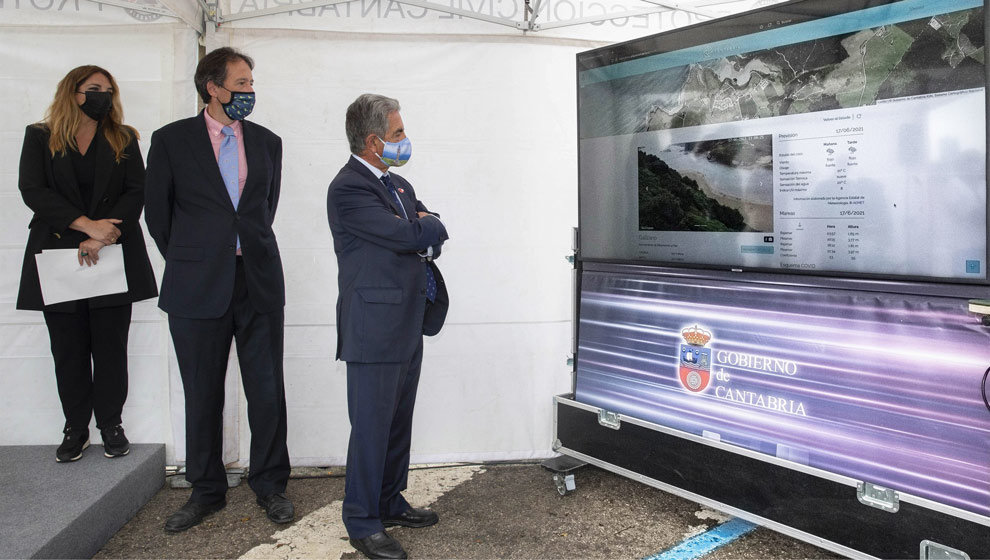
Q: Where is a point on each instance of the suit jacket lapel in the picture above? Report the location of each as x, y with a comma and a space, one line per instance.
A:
65, 176
253, 150
104, 167
202, 149
377, 185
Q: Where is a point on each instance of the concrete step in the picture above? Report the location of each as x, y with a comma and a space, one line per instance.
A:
69, 510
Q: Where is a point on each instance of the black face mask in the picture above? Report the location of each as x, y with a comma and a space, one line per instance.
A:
97, 104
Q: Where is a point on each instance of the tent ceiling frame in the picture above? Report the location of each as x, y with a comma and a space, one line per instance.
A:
221, 19
660, 7
194, 19
680, 6
530, 12
192, 15
594, 19
209, 11
149, 9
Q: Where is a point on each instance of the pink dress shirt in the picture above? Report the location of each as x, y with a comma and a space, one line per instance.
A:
215, 129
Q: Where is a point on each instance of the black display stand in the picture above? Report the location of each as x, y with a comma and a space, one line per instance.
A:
815, 507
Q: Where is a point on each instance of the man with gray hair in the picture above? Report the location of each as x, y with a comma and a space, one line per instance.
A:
391, 293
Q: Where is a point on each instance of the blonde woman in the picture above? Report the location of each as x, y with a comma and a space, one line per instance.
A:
82, 175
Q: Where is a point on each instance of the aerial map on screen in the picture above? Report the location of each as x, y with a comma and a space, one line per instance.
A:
854, 143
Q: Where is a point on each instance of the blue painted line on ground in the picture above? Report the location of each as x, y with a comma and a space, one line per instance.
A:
706, 542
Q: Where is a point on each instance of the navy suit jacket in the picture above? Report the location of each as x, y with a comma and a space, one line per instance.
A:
382, 311
192, 220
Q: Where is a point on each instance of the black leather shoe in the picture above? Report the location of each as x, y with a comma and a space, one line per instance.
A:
379, 545
413, 517
278, 508
190, 515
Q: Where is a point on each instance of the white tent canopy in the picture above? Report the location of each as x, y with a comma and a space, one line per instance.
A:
488, 100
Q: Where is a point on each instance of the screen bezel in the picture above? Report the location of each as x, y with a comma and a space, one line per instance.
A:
779, 15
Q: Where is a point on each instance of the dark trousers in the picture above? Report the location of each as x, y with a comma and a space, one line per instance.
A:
380, 402
202, 347
90, 351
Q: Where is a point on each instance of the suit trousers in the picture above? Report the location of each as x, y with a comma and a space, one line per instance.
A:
202, 347
380, 402
90, 351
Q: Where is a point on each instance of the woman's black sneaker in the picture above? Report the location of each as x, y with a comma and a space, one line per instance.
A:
76, 439
115, 443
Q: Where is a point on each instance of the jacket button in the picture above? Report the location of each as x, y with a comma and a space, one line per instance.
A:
230, 246
106, 199
423, 291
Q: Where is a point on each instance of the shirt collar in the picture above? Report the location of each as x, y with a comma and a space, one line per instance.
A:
374, 170
215, 127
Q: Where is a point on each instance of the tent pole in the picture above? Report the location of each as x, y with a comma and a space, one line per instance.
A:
535, 10
191, 14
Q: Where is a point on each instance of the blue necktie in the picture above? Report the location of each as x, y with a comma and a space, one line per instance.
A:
227, 159
431, 281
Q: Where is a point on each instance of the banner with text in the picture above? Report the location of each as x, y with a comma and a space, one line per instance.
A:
879, 387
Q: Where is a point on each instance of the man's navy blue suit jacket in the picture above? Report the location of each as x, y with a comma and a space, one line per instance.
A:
382, 311
195, 225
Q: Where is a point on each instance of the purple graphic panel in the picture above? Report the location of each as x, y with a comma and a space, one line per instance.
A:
879, 387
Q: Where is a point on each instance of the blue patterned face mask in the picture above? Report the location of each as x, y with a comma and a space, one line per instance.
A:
396, 154
240, 105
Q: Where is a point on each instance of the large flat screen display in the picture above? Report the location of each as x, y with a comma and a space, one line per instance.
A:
834, 137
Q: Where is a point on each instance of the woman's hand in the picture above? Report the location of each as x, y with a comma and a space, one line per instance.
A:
89, 252
104, 230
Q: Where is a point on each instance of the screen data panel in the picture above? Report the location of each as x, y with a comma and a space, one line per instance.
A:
817, 136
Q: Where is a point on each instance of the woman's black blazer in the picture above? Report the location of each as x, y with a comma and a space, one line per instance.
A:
48, 186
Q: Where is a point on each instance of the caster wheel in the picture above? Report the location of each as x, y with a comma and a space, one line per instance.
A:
564, 483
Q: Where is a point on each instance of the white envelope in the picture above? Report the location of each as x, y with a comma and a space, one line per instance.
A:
62, 279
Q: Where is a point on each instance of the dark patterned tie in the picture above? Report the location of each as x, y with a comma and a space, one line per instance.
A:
395, 193
431, 281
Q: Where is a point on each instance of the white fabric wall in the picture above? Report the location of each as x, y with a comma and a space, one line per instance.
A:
493, 151
493, 156
39, 43
491, 113
492, 119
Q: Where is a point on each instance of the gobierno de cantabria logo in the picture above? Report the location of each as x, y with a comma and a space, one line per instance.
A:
696, 359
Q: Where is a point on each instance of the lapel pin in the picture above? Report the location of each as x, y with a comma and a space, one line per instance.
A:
402, 190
